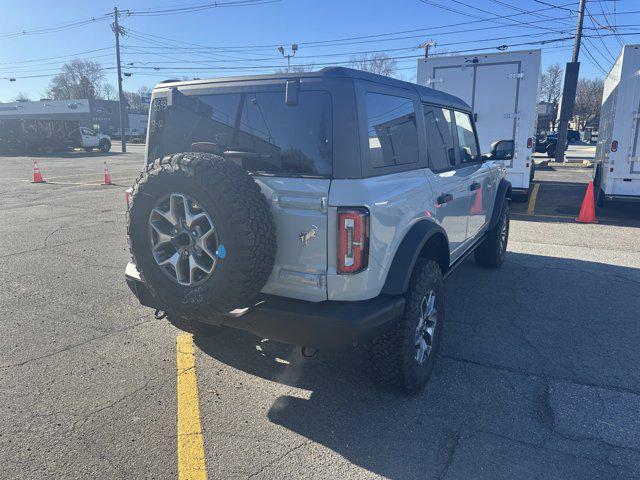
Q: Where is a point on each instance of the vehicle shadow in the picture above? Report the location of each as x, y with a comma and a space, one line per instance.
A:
75, 154
501, 349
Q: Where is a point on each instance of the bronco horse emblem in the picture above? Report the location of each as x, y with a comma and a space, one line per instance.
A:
306, 237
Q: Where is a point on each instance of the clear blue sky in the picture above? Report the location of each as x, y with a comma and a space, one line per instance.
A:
248, 34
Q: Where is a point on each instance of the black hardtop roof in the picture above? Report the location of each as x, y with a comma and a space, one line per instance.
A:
426, 94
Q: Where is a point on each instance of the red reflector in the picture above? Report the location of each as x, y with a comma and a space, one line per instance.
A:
614, 146
353, 240
529, 142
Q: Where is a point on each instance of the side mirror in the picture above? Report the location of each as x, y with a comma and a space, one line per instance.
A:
502, 150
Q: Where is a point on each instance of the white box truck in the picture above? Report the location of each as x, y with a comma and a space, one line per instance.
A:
617, 161
502, 89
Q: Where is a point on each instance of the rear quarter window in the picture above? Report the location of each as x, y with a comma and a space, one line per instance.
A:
392, 131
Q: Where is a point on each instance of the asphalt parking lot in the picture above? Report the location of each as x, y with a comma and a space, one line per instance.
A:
537, 375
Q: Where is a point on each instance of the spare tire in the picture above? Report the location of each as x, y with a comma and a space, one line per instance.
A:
201, 234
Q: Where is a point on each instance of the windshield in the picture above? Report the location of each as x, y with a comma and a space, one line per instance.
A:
257, 129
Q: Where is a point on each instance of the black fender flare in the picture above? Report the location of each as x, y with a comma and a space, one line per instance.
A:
503, 194
407, 254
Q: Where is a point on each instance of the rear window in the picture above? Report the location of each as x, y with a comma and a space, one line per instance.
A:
257, 129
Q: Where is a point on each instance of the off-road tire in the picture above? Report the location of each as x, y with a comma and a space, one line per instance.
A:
492, 252
243, 223
392, 355
105, 146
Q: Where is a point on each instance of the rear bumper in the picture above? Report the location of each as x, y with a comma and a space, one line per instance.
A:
331, 324
622, 198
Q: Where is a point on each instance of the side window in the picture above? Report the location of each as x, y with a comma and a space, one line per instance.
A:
440, 143
392, 131
467, 144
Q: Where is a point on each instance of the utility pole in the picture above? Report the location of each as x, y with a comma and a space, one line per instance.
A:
294, 49
426, 46
118, 31
569, 89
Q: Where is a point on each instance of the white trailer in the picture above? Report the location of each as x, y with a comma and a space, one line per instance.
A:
502, 89
617, 162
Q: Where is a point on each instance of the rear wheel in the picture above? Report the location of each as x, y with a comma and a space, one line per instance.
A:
597, 186
493, 249
551, 151
404, 357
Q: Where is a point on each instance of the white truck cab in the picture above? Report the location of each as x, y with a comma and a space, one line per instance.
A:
90, 140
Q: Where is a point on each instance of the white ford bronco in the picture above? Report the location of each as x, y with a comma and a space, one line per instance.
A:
318, 209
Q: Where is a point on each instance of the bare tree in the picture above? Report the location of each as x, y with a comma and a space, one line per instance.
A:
21, 97
134, 99
297, 69
108, 92
77, 79
550, 90
379, 63
588, 101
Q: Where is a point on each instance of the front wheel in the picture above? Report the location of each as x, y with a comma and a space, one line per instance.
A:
551, 151
493, 249
403, 358
105, 146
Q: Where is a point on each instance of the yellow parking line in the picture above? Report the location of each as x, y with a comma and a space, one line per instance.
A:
190, 443
531, 208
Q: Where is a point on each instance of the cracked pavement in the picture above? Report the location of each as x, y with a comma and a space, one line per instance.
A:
537, 375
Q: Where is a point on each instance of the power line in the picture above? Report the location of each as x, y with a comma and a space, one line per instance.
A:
595, 24
327, 55
197, 8
54, 28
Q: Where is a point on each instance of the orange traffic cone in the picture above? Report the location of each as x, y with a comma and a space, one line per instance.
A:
588, 211
37, 176
476, 208
107, 177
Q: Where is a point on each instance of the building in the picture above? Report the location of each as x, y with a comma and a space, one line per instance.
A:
102, 116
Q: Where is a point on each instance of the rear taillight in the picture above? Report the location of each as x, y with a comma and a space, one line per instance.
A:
529, 142
353, 239
614, 146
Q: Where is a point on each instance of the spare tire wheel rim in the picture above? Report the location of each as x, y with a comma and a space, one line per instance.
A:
183, 239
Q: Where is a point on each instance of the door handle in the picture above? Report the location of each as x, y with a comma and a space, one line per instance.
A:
474, 186
444, 198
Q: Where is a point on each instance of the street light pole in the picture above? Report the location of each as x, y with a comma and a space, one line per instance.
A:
117, 30
294, 49
569, 89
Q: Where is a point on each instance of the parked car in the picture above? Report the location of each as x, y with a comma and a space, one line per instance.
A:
546, 143
321, 209
573, 136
